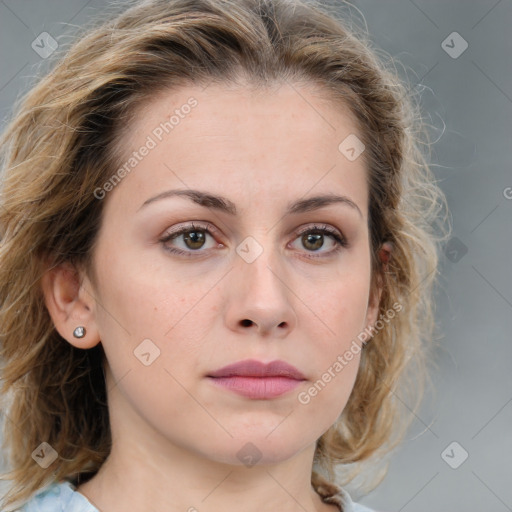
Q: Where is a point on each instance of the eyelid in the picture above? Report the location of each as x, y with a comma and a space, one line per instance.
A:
190, 226
320, 227
182, 228
341, 242
207, 226
339, 238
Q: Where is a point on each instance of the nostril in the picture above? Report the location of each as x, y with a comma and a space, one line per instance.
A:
246, 322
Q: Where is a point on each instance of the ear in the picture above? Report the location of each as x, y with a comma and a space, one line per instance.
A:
70, 304
374, 302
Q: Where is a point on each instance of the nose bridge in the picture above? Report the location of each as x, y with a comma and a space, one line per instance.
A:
259, 293
259, 266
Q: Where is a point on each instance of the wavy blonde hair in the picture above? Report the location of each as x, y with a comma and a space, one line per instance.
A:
64, 141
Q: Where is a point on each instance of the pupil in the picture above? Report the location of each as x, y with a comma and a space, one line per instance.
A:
316, 239
195, 237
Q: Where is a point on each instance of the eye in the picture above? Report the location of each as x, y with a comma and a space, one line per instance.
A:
193, 237
313, 239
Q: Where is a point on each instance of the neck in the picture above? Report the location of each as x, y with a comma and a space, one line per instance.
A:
145, 471
130, 480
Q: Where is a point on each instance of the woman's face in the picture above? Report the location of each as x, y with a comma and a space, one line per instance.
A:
252, 279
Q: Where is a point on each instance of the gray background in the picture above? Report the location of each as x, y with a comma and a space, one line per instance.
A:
468, 100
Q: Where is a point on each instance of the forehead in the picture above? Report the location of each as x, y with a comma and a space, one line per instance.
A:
253, 140
302, 107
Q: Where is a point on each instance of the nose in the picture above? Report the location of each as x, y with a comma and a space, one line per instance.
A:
261, 298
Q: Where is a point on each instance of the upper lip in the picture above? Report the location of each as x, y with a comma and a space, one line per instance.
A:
253, 368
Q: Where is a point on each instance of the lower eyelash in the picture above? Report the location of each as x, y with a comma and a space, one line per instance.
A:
341, 242
181, 231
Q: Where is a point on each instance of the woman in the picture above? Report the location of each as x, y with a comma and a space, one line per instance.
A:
217, 263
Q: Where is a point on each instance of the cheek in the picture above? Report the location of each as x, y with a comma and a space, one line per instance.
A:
141, 297
339, 306
139, 306
327, 395
340, 315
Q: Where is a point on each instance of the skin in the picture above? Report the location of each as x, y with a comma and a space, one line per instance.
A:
175, 434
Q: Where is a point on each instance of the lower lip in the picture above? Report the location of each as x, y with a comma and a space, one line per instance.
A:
257, 387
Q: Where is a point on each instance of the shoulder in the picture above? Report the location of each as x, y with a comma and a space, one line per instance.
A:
342, 499
336, 495
356, 507
58, 497
352, 506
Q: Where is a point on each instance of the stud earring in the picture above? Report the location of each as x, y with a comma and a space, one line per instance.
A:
79, 332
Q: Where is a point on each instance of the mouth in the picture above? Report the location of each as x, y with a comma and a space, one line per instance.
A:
257, 380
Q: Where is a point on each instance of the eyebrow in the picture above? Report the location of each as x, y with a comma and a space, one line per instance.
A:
223, 204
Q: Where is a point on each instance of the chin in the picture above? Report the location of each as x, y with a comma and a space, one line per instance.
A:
260, 448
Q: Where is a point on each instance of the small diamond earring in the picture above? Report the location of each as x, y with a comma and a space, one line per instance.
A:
79, 332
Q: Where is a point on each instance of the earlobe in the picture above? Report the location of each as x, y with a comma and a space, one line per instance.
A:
70, 306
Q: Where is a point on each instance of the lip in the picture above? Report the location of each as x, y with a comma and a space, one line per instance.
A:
257, 380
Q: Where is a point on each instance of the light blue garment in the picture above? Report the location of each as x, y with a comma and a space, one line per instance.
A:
58, 497
62, 497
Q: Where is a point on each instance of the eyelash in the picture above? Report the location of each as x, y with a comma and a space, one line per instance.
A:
341, 242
